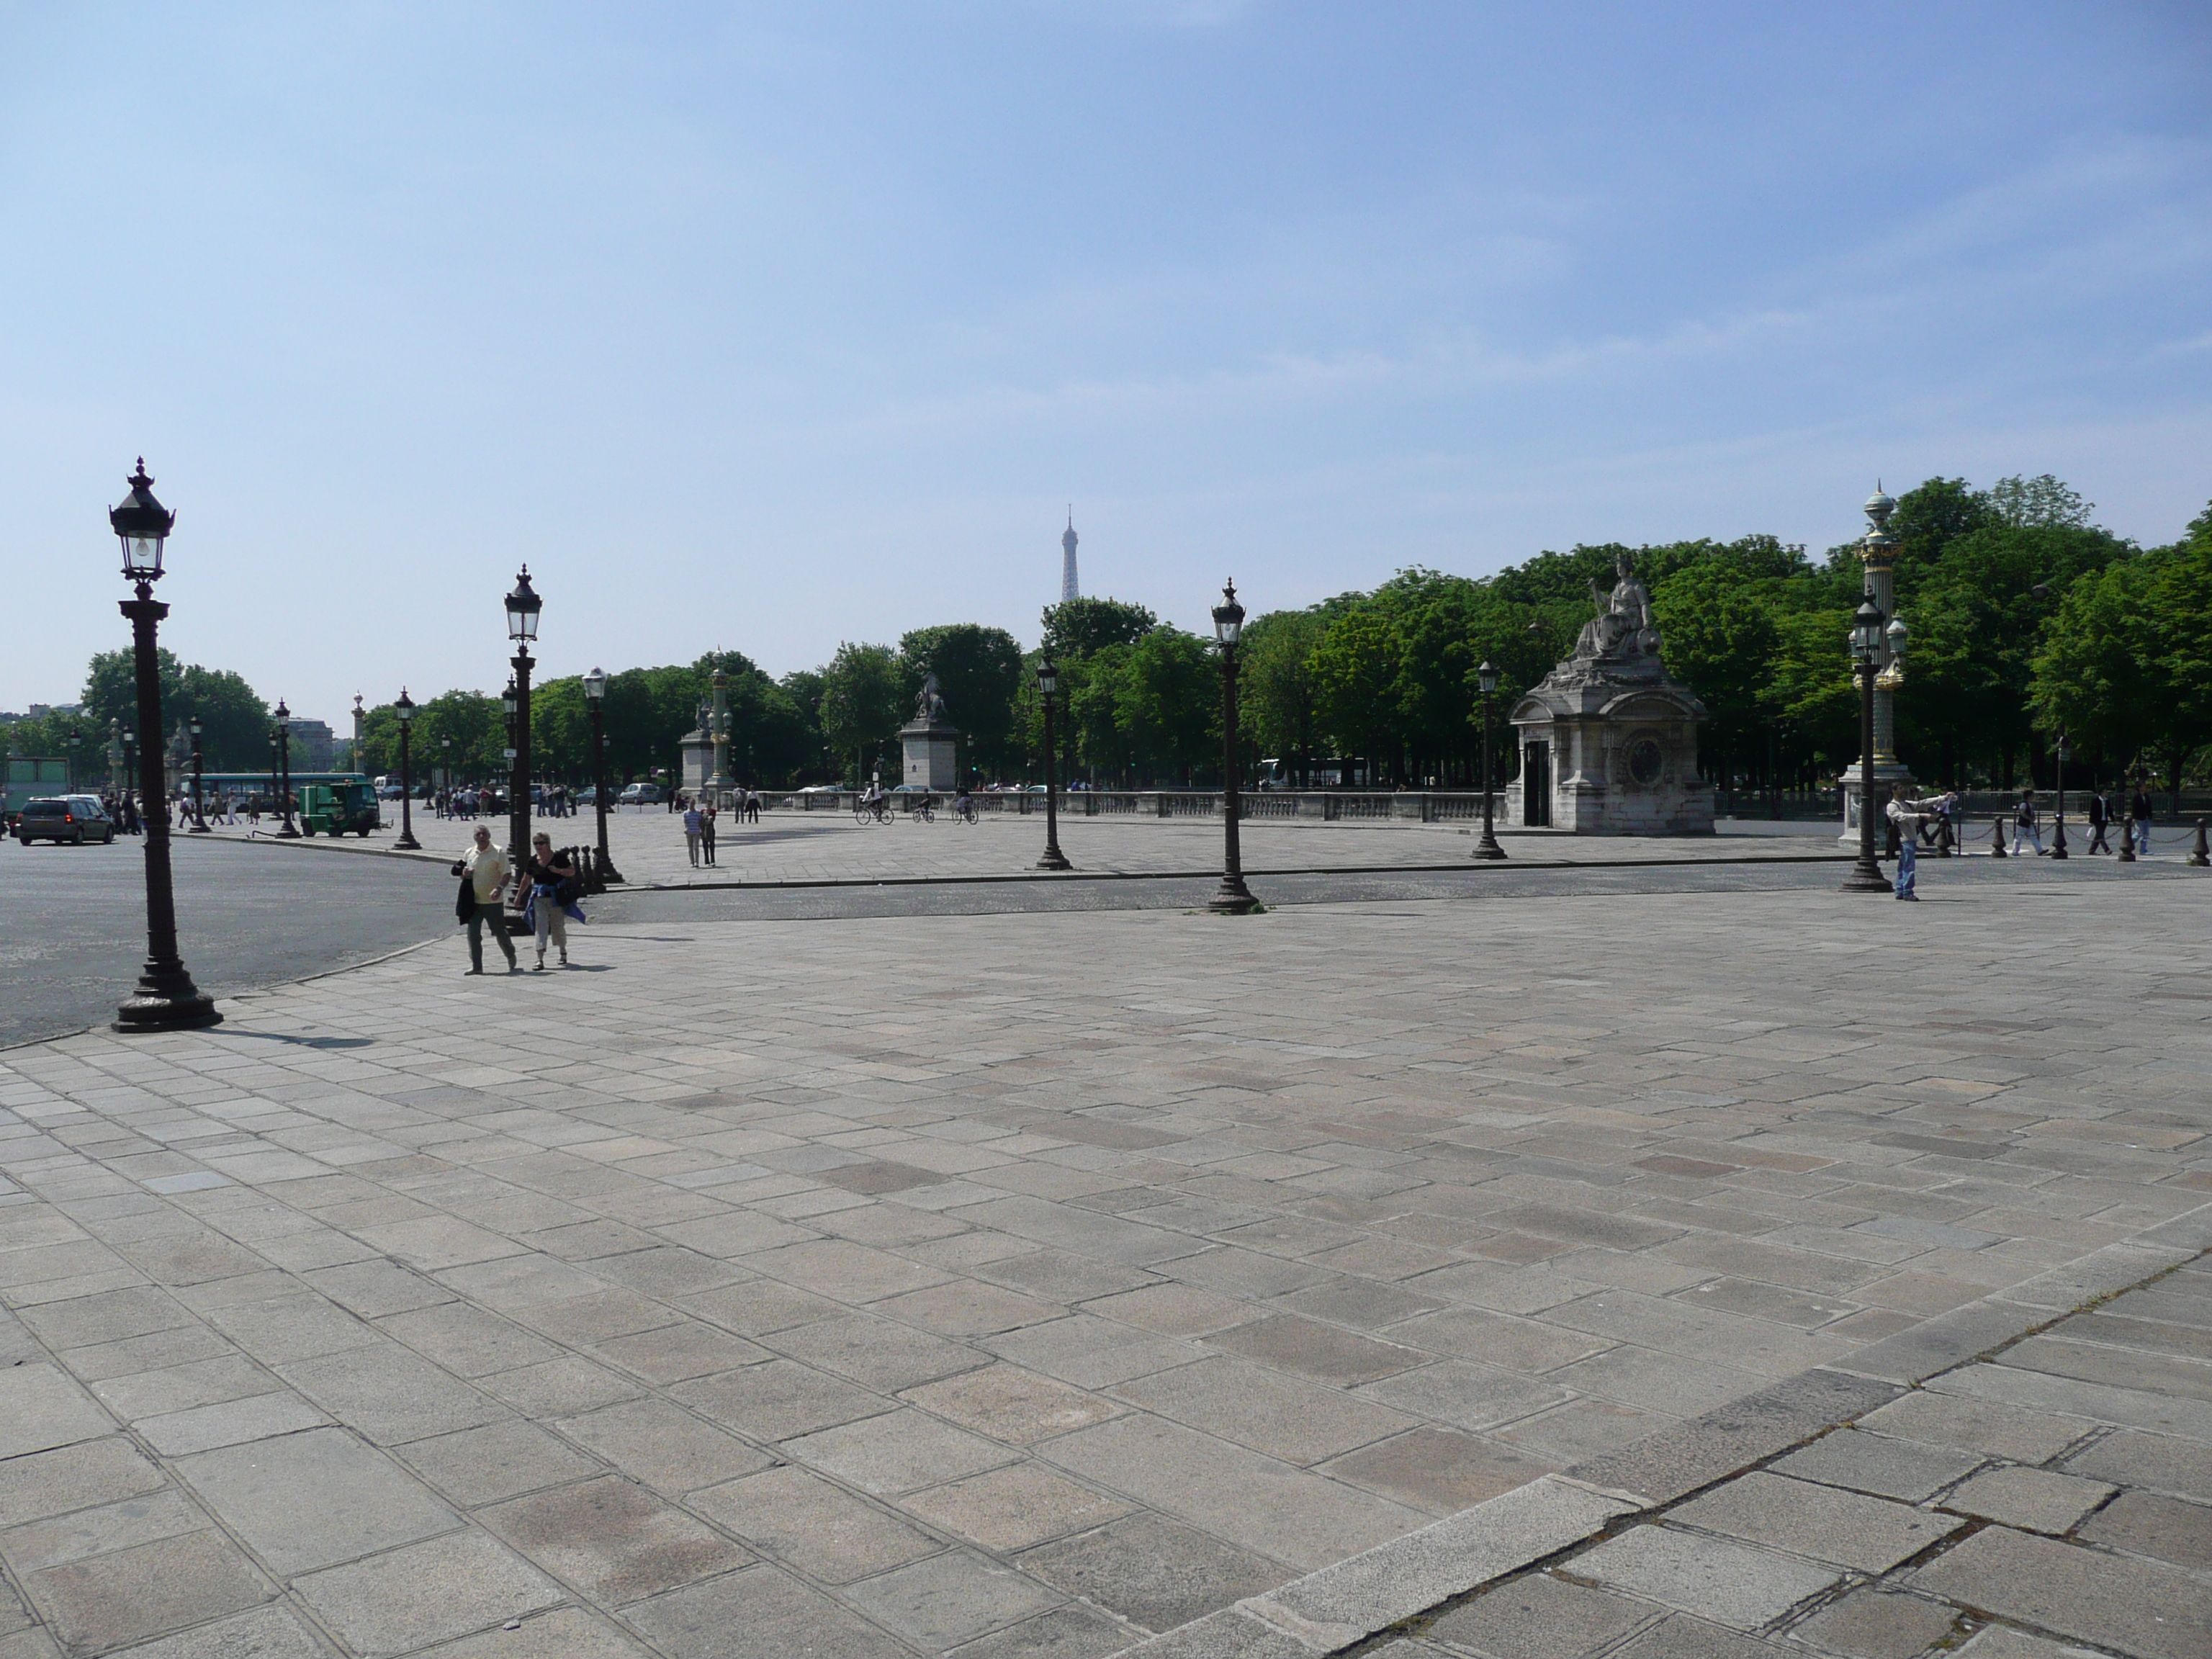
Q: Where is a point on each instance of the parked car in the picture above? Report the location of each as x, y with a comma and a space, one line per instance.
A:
641, 794
58, 818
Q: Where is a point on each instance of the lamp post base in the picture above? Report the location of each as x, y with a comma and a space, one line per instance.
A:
1054, 858
165, 1001
287, 833
406, 843
1487, 848
1866, 878
1233, 898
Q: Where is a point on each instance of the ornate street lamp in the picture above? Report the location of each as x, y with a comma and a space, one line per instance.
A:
199, 794
405, 709
522, 608
595, 699
1048, 679
75, 740
1487, 848
1233, 897
286, 830
446, 754
1866, 875
165, 999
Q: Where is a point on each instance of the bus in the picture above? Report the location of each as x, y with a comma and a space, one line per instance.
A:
259, 788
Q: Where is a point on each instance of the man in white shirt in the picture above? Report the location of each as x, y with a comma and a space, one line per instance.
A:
486, 868
1908, 815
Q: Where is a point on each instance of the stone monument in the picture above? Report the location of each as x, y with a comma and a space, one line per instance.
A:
929, 740
1609, 738
697, 747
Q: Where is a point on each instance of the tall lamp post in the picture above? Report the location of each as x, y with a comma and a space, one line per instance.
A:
1866, 875
76, 739
165, 999
1487, 848
446, 754
595, 699
404, 710
522, 607
1048, 681
2058, 836
1233, 897
285, 829
199, 789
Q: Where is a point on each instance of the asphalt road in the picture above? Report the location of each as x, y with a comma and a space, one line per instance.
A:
73, 921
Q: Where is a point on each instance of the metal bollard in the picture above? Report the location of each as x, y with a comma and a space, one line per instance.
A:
2127, 853
2200, 855
1945, 841
2058, 839
1997, 846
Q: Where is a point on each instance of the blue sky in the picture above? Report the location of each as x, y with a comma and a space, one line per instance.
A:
768, 326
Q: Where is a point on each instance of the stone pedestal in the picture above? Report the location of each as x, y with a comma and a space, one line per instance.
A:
931, 756
697, 750
1609, 738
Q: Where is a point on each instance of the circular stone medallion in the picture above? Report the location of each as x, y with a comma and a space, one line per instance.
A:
1645, 762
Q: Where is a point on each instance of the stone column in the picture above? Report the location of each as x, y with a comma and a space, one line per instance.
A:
1878, 558
718, 727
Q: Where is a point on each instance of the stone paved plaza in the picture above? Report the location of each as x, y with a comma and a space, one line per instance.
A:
1032, 1285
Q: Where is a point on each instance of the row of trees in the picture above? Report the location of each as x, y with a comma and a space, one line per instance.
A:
2026, 619
234, 719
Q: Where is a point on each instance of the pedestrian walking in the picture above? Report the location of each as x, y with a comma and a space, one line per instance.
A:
707, 834
2024, 824
1907, 817
2100, 818
692, 823
752, 806
483, 873
2139, 811
553, 892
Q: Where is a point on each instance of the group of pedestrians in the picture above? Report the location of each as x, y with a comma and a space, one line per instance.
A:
2104, 816
700, 820
554, 883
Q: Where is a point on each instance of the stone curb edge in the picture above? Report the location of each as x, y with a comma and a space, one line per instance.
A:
1343, 1605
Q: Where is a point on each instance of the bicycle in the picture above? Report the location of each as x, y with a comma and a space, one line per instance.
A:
964, 810
921, 811
875, 812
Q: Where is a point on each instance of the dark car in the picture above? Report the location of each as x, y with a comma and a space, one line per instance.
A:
77, 818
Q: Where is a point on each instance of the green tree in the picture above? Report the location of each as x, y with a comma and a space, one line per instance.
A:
979, 673
863, 704
1167, 704
1277, 702
1718, 634
1355, 670
1080, 628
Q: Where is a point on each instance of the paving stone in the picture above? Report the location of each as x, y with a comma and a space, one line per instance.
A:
1680, 1637
877, 1353
758, 1613
390, 1394
229, 1423
1008, 1403
107, 1317
1062, 1633
820, 1528
2001, 1642
1540, 1617
1903, 1469
2159, 1462
41, 1407
559, 1387
1980, 1427
265, 1632
313, 1499
564, 1633
1314, 1350
1871, 1624
1439, 1470
2140, 1607
292, 1328
2145, 1524
2035, 1500
498, 1461
1284, 1416
100, 1531
393, 1603
1011, 1509
950, 1598
675, 1353
1842, 1528
778, 1399
1089, 1352
73, 1477
1467, 1395
180, 1387
156, 1587
1173, 1309
1153, 1571
467, 1340
1738, 1586
613, 1540
897, 1452
663, 1446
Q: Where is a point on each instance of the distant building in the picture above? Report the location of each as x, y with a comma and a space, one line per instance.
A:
312, 742
1069, 587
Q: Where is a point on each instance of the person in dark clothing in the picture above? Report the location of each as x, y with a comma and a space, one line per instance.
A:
548, 875
2139, 810
707, 833
2101, 816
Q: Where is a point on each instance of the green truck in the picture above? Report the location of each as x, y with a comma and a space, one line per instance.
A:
339, 809
31, 777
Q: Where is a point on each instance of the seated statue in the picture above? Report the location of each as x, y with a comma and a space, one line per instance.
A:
1623, 626
929, 707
